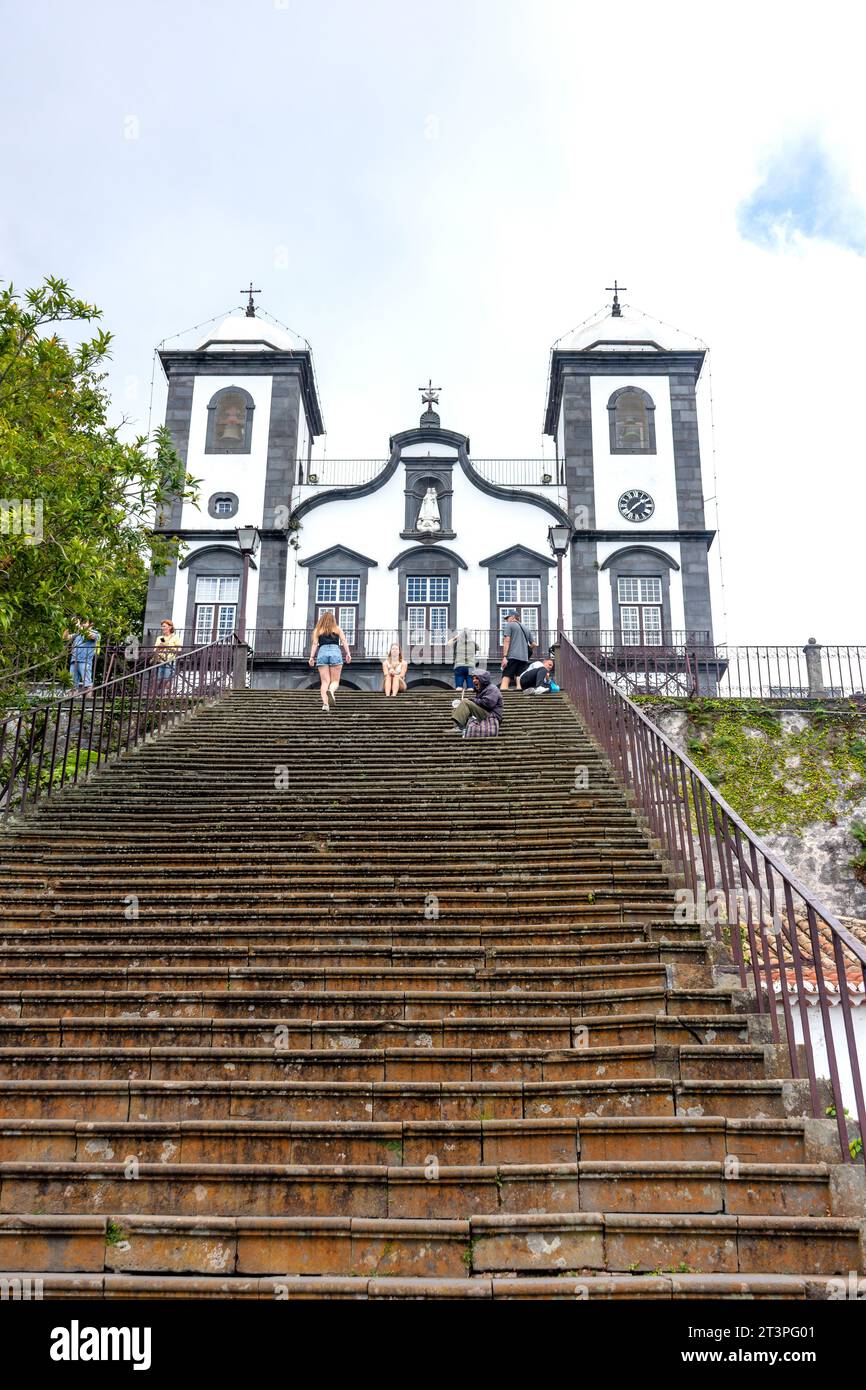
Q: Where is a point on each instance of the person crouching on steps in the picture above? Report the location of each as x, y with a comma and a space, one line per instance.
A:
328, 652
478, 715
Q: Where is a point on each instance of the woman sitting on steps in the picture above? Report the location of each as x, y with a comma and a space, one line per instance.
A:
328, 651
394, 669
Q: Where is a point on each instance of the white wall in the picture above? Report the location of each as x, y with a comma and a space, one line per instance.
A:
616, 473
840, 1044
484, 525
243, 474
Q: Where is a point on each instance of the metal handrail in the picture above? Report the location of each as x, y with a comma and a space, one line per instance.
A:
727, 867
60, 742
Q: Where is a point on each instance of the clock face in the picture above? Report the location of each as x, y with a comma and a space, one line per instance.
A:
636, 505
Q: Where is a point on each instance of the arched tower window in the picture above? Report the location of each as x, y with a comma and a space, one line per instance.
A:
631, 414
230, 422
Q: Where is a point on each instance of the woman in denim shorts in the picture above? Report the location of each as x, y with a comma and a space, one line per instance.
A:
328, 652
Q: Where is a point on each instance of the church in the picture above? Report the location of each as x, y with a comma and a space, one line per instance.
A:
605, 539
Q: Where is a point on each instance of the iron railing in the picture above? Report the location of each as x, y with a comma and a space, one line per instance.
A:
337, 472
61, 742
356, 472
373, 644
519, 472
777, 930
812, 672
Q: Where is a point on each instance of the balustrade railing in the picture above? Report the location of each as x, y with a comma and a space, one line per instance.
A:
329, 472
61, 741
783, 941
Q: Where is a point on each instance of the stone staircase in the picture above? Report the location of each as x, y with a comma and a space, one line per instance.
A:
296, 1005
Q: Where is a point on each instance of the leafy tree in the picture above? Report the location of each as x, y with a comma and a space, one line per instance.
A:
98, 494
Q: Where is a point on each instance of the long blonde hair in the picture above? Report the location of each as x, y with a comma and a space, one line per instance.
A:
326, 626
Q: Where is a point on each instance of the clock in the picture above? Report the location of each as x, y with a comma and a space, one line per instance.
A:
636, 505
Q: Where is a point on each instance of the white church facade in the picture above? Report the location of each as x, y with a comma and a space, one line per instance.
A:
429, 540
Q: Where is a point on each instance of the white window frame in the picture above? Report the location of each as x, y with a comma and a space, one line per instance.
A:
641, 613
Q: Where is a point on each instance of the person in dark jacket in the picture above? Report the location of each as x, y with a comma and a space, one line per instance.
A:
479, 715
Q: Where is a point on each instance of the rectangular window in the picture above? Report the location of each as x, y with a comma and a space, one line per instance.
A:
338, 589
217, 588
530, 617
422, 588
640, 613
214, 622
516, 591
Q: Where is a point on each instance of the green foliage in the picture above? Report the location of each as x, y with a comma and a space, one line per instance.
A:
858, 862
99, 495
779, 779
114, 1233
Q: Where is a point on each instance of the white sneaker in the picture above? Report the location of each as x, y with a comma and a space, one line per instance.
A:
332, 691
455, 704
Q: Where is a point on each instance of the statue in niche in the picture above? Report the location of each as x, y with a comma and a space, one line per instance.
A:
428, 513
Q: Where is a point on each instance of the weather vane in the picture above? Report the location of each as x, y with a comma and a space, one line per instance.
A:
251, 307
616, 311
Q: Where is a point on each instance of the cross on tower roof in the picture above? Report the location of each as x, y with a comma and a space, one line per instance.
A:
430, 393
251, 308
616, 311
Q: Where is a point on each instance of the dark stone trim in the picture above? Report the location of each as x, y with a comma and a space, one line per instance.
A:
354, 556
432, 560
338, 561
649, 404
405, 438
428, 537
220, 560
243, 446
565, 365
426, 552
631, 563
178, 417
522, 563
421, 474
523, 552
219, 497
283, 434
642, 550
215, 534
342, 493
578, 471
196, 555
254, 363
706, 537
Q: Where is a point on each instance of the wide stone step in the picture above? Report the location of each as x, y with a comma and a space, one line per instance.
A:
299, 979
605, 1032
380, 1064
533, 938
693, 1286
370, 957
428, 1191
416, 1143
401, 1100
614, 1031
360, 1247
358, 1003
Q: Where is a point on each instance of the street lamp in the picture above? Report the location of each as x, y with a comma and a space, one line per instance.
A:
248, 544
559, 538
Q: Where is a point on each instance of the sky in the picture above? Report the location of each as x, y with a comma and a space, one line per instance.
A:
444, 191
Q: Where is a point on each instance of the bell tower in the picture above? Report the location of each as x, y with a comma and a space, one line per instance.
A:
242, 408
622, 410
